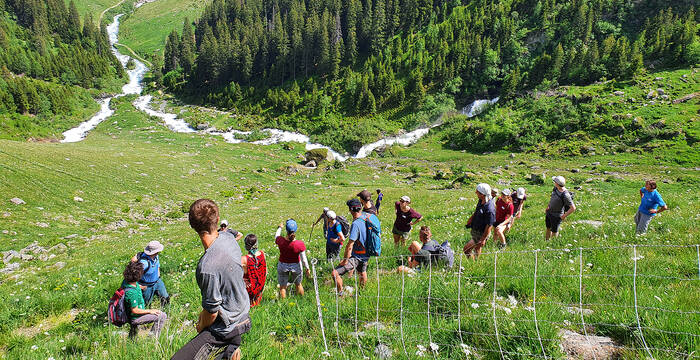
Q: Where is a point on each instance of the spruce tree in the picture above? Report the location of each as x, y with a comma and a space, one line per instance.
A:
74, 28
187, 47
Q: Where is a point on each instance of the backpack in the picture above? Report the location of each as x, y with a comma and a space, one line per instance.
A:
566, 207
441, 252
140, 256
373, 241
116, 311
344, 225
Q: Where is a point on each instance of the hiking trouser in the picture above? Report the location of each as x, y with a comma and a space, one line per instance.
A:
642, 221
157, 320
209, 345
150, 290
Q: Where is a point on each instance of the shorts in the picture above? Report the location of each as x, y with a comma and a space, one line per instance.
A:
289, 273
332, 252
552, 222
476, 236
404, 234
353, 264
642, 221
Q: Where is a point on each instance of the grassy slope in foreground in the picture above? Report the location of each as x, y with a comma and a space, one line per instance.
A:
137, 171
147, 27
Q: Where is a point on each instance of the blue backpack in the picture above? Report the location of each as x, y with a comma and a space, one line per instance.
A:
373, 241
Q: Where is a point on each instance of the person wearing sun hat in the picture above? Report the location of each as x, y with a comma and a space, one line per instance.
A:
334, 238
518, 198
406, 217
151, 282
481, 222
557, 211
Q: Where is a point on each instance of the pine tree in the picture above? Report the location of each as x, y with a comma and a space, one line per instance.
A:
73, 22
187, 47
171, 53
378, 27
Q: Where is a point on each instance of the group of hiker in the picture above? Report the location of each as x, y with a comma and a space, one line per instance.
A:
231, 283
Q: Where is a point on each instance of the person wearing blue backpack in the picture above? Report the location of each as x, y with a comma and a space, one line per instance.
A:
150, 282
363, 242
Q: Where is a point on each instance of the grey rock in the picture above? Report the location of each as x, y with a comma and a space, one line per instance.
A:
58, 248
658, 78
10, 268
57, 266
319, 155
26, 257
17, 201
597, 163
651, 94
574, 170
660, 91
42, 224
78, 199
43, 257
7, 256
311, 163
71, 236
202, 126
581, 347
619, 93
383, 352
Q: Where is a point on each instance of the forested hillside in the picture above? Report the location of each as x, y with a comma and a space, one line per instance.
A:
284, 61
49, 59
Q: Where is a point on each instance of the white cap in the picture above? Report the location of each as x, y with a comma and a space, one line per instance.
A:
224, 222
484, 189
559, 180
494, 190
521, 193
406, 199
325, 210
331, 214
506, 192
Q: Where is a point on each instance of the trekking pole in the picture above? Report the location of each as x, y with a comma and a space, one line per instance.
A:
312, 231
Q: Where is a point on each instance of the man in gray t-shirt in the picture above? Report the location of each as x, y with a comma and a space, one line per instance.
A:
225, 304
555, 212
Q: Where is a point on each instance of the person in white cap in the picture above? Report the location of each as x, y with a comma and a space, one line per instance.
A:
560, 206
406, 217
225, 227
481, 222
504, 212
324, 217
518, 200
151, 282
334, 237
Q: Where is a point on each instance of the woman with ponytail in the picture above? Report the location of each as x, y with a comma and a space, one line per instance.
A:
254, 269
292, 254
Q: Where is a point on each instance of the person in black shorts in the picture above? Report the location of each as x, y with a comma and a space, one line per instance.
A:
558, 201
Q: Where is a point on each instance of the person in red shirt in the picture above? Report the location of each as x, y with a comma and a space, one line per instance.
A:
504, 212
254, 270
292, 254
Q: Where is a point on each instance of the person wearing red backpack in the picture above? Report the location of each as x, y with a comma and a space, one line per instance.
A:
135, 304
254, 270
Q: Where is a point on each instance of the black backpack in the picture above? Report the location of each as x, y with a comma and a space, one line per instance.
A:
440, 252
566, 207
344, 225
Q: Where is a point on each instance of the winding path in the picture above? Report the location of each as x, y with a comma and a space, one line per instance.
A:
102, 14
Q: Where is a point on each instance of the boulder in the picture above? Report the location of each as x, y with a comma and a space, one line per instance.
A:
537, 178
319, 155
660, 91
202, 126
59, 248
77, 199
311, 163
10, 268
578, 346
17, 201
619, 93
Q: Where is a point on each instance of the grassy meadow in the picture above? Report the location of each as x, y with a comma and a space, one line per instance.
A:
136, 178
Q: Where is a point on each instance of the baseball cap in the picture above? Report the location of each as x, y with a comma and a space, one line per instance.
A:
291, 226
354, 203
406, 199
153, 247
559, 180
506, 192
224, 222
494, 190
331, 214
364, 195
325, 210
521, 193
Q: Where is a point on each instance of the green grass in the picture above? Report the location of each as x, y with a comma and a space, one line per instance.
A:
147, 27
132, 168
95, 7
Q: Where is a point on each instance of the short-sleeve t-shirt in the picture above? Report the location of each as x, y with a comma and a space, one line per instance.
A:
557, 202
289, 250
220, 279
133, 298
333, 233
371, 210
150, 267
380, 197
517, 202
358, 234
403, 219
650, 200
484, 215
504, 209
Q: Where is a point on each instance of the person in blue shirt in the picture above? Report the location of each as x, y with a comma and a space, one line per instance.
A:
380, 197
652, 204
355, 257
334, 236
150, 282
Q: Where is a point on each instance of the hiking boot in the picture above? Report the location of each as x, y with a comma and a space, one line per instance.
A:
501, 246
133, 331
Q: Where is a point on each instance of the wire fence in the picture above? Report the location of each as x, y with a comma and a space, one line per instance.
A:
631, 301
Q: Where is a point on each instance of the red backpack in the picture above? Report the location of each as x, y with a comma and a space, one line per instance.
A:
116, 312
